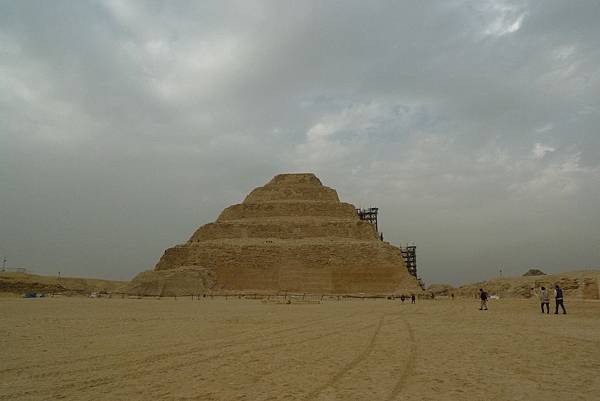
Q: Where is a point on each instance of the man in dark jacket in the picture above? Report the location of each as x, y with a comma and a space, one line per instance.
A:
558, 293
483, 296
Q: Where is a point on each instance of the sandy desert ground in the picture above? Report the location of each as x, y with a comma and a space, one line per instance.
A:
149, 349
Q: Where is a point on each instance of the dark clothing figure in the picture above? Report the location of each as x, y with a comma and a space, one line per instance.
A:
402, 298
483, 296
453, 297
558, 292
559, 302
412, 298
546, 305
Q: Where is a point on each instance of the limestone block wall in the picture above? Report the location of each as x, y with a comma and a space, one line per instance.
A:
272, 193
292, 229
289, 209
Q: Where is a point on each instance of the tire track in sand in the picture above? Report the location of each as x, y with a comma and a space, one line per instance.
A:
349, 366
149, 362
186, 349
409, 367
167, 351
145, 370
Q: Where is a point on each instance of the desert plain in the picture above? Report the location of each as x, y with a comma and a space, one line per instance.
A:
77, 348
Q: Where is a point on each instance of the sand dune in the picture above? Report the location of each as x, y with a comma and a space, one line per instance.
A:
141, 349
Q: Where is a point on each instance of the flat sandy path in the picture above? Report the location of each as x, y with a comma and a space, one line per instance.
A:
148, 349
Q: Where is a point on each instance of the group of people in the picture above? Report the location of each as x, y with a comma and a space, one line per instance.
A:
558, 297
412, 298
544, 299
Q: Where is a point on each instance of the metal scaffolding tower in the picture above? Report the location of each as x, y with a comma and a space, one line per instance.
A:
409, 253
369, 215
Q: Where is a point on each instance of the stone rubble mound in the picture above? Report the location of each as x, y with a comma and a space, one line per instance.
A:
534, 272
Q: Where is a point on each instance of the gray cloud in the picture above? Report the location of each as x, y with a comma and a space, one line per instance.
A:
472, 125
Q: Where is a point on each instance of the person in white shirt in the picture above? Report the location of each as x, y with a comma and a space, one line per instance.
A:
545, 299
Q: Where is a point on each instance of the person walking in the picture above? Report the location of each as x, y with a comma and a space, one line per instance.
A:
558, 295
483, 296
545, 299
412, 298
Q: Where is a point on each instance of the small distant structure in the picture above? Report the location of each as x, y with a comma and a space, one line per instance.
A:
534, 272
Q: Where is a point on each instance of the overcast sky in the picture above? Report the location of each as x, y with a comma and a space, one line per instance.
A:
472, 125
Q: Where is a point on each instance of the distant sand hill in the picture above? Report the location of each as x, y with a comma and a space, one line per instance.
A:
20, 283
293, 234
578, 284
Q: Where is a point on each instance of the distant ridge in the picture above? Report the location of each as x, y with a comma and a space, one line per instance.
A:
584, 284
20, 283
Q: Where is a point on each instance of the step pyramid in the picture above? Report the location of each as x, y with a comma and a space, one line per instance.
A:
292, 234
